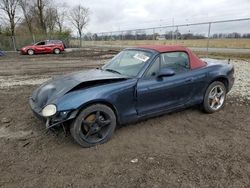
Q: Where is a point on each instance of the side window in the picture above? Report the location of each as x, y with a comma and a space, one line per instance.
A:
48, 42
41, 43
153, 69
178, 61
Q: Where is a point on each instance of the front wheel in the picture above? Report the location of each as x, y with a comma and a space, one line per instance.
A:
94, 125
30, 52
215, 97
57, 51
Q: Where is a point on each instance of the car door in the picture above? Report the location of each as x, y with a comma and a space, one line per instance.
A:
49, 46
40, 47
156, 94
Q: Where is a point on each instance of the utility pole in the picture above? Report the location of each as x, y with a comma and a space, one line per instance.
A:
154, 34
173, 31
208, 36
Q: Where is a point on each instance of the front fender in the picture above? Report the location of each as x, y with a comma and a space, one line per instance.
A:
119, 96
76, 99
69, 106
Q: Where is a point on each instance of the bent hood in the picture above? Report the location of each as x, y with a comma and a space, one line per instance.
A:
57, 87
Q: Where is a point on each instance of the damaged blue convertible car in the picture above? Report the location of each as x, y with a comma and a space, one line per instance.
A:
138, 83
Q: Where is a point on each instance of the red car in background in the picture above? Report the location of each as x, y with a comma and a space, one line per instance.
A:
47, 46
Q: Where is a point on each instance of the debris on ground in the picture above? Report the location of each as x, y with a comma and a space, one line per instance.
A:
134, 160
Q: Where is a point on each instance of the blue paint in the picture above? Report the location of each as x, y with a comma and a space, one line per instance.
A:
132, 98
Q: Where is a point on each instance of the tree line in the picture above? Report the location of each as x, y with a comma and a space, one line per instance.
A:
41, 18
143, 35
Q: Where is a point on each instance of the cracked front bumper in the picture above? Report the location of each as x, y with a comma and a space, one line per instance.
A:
57, 120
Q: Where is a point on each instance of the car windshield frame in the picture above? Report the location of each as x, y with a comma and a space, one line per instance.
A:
144, 60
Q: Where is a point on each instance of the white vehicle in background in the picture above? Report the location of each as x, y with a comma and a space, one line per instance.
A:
161, 37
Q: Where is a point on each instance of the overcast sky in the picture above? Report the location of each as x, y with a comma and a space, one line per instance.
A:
109, 15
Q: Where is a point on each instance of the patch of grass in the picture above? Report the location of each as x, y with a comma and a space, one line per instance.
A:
213, 43
215, 55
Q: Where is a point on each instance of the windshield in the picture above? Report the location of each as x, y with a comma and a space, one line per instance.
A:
128, 62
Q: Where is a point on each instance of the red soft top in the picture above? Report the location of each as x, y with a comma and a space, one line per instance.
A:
195, 62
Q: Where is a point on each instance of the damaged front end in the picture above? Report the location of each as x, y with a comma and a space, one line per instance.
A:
60, 119
43, 103
54, 121
46, 101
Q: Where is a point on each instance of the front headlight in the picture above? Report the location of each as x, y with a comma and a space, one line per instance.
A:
49, 110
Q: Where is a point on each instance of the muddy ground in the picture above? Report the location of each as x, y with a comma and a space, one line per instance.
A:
181, 149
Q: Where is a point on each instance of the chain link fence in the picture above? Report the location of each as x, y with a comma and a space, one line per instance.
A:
218, 34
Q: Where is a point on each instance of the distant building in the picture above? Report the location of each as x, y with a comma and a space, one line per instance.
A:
161, 37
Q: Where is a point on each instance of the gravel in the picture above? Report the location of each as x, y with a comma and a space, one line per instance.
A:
240, 89
241, 86
13, 81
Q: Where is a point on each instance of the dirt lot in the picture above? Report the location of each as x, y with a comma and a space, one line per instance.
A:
182, 149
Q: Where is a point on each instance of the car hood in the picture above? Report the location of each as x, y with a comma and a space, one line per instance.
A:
59, 86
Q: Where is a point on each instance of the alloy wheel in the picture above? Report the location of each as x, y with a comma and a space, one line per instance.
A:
216, 97
95, 127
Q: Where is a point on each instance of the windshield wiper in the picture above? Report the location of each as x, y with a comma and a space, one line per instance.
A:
112, 70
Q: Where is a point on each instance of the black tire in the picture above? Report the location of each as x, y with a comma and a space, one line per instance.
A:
207, 107
57, 51
84, 133
30, 52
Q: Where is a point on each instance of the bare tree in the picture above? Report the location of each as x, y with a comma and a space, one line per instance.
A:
27, 7
60, 16
9, 7
41, 5
50, 19
60, 20
79, 17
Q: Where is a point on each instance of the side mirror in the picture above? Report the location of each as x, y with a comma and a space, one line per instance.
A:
166, 72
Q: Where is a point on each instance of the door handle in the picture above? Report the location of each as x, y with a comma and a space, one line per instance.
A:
189, 80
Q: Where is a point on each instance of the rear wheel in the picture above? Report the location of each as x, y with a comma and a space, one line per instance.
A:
30, 52
215, 97
57, 51
94, 125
